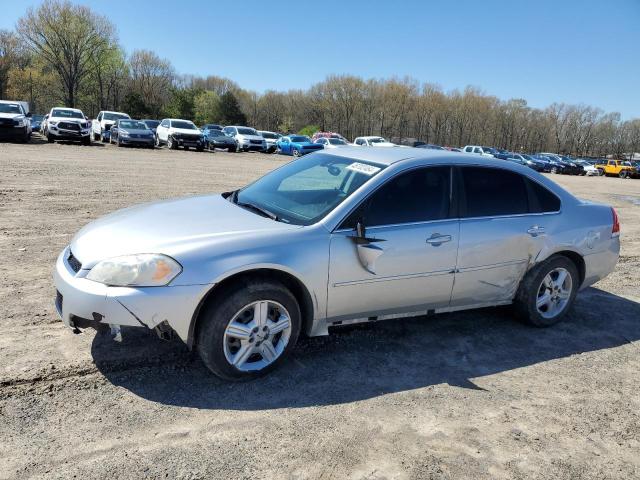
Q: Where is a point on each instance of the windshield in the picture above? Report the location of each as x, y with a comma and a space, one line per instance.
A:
151, 123
377, 140
37, 118
57, 112
247, 131
114, 116
10, 108
183, 124
306, 190
300, 138
527, 157
269, 135
133, 124
336, 141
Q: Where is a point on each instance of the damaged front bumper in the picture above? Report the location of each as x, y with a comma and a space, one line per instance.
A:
83, 303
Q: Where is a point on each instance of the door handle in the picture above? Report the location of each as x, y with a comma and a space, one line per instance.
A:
535, 230
436, 239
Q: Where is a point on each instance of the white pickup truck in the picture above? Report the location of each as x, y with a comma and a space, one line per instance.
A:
101, 126
68, 124
15, 121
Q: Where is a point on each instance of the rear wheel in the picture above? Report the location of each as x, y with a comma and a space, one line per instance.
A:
547, 292
623, 174
248, 330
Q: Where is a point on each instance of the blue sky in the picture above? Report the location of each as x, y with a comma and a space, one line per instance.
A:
574, 51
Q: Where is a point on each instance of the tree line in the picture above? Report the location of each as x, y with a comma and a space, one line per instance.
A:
65, 54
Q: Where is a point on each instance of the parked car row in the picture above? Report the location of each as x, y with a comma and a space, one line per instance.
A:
71, 124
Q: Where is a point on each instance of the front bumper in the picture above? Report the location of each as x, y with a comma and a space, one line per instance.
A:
189, 142
84, 303
137, 141
13, 132
254, 147
62, 134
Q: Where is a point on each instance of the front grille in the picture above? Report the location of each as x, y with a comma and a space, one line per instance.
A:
69, 126
6, 122
256, 142
74, 263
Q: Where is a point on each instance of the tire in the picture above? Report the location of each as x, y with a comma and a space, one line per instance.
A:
231, 149
158, 144
554, 170
532, 290
600, 172
186, 148
200, 149
295, 152
623, 174
118, 143
96, 137
236, 301
86, 141
171, 144
50, 138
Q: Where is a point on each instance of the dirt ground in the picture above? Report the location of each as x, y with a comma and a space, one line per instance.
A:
466, 395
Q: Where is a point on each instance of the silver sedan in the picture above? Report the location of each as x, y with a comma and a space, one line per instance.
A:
337, 237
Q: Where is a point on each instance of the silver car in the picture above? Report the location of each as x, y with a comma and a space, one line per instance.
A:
337, 237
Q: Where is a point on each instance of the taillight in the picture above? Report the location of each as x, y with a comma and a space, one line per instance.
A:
615, 230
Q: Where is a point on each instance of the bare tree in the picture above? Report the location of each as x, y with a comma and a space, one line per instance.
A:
67, 37
151, 78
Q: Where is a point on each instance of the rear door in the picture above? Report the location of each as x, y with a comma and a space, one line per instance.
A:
505, 218
409, 265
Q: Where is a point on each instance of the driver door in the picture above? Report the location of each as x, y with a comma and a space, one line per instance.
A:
410, 259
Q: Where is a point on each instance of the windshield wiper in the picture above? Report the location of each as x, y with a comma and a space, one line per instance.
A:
262, 211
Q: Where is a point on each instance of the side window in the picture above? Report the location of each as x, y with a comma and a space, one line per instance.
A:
477, 150
492, 191
541, 200
165, 123
468, 149
612, 164
100, 116
416, 196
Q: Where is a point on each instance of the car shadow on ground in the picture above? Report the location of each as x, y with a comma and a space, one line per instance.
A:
370, 360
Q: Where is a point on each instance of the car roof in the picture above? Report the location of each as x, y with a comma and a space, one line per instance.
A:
390, 156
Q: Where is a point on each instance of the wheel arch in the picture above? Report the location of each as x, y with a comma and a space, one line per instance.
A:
289, 280
573, 255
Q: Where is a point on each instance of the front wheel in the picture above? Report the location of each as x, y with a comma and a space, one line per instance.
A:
296, 152
547, 292
554, 170
50, 138
248, 330
171, 143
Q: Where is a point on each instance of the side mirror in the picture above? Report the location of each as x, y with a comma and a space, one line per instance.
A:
361, 230
28, 115
366, 248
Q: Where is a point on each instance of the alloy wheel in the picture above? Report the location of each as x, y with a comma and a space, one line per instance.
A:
554, 293
257, 335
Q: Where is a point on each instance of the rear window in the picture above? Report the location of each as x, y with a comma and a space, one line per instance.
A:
541, 200
491, 191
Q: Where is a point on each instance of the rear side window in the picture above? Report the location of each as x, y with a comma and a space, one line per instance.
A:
416, 196
541, 200
491, 191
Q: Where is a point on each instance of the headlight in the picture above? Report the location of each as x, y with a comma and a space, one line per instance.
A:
142, 270
122, 133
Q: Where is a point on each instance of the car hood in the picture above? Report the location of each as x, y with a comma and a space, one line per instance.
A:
250, 137
136, 131
11, 115
66, 119
383, 144
172, 227
187, 131
306, 144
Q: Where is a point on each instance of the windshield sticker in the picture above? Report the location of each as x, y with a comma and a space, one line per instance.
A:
363, 168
